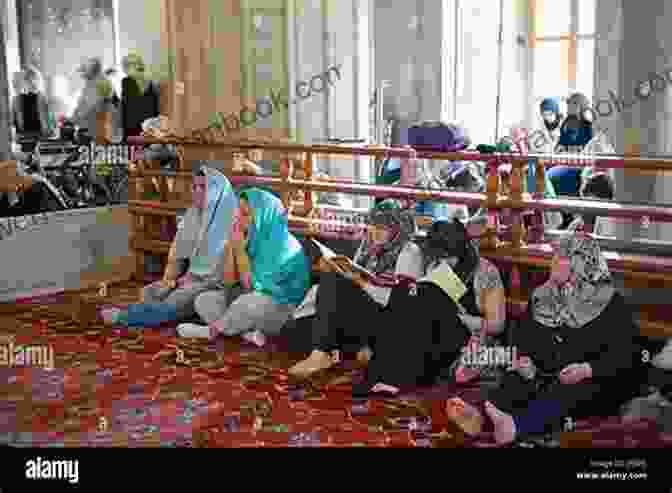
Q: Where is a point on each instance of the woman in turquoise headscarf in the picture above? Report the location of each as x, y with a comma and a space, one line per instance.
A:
267, 274
200, 242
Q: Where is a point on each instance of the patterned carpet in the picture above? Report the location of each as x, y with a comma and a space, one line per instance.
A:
127, 388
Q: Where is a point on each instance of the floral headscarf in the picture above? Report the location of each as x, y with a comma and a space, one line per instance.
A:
400, 221
585, 296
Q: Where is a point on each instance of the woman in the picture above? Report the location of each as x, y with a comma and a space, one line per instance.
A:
200, 241
547, 137
271, 267
579, 355
90, 100
139, 96
348, 306
441, 327
30, 107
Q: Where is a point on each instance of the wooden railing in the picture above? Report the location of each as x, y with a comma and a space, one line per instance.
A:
296, 179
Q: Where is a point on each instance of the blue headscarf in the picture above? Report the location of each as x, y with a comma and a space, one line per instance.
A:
550, 104
222, 203
278, 264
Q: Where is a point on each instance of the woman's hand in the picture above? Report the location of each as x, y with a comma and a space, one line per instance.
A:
185, 281
575, 373
474, 324
168, 283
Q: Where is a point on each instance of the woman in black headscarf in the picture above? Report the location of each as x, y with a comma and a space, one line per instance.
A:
426, 329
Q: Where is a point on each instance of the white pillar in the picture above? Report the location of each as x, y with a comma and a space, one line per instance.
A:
4, 96
646, 48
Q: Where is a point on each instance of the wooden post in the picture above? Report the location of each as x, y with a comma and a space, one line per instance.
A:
490, 241
540, 191
286, 172
517, 228
308, 195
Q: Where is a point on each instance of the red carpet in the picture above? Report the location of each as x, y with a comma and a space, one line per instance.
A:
128, 389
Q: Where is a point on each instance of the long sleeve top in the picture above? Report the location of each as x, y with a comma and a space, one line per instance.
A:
608, 343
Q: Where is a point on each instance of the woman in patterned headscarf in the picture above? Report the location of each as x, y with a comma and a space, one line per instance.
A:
347, 306
578, 350
440, 326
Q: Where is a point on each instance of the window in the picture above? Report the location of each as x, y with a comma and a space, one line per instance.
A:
564, 47
57, 36
477, 69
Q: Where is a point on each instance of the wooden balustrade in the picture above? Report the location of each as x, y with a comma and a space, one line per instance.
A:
297, 186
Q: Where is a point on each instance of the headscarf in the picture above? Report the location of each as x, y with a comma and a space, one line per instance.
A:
203, 232
450, 239
577, 130
585, 296
278, 264
552, 105
401, 223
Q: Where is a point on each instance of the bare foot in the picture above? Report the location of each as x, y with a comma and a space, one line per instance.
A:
464, 415
255, 337
381, 387
364, 356
316, 362
465, 374
505, 427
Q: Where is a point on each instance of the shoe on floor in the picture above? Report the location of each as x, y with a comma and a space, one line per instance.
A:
317, 361
110, 315
195, 330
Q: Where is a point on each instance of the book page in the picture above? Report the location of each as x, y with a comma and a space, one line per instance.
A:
445, 278
325, 251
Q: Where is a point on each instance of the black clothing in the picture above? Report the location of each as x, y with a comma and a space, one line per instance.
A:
419, 337
31, 113
346, 315
137, 106
608, 344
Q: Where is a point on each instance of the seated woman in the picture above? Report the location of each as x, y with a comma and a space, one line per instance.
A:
440, 327
200, 240
349, 306
577, 351
269, 263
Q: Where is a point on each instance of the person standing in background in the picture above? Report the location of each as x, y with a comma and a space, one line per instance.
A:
544, 140
30, 110
139, 96
90, 101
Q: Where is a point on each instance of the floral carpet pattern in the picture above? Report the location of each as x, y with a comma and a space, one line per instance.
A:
140, 388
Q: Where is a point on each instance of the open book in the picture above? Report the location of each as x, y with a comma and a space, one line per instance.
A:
339, 263
444, 277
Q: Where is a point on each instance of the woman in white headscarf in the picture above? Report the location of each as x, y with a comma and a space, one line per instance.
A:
200, 242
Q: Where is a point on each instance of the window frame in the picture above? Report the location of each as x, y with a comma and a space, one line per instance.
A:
572, 37
21, 24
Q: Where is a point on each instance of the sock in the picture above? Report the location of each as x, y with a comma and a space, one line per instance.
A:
120, 318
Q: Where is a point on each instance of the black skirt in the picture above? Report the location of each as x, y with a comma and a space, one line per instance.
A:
421, 337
